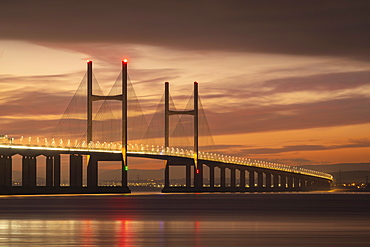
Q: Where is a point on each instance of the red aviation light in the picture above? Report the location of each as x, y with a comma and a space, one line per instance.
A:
196, 82
124, 60
197, 171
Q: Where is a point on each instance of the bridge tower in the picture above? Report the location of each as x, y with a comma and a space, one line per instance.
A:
92, 166
198, 178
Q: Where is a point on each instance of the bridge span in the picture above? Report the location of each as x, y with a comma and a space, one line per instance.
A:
245, 175
204, 171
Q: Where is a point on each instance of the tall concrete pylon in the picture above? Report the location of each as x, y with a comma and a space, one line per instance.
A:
168, 112
120, 97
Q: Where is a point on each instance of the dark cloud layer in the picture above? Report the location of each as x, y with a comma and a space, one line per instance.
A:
332, 27
297, 148
28, 103
321, 82
329, 113
36, 127
239, 86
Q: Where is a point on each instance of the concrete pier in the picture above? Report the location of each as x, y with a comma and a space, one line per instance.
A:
265, 181
29, 163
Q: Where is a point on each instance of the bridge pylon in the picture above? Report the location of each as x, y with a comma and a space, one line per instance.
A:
198, 178
92, 165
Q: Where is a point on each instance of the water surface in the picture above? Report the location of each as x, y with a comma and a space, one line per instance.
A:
152, 219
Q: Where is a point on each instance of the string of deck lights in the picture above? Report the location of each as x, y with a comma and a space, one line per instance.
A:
75, 145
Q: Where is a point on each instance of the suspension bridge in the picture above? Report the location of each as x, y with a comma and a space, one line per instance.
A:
97, 128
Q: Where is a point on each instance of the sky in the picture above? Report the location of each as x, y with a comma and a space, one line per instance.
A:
281, 81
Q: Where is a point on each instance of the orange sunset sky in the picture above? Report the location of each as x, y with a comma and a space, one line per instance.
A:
282, 81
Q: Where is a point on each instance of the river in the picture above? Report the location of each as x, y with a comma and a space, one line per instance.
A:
154, 219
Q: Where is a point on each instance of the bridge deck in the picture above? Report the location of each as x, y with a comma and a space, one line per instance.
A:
163, 154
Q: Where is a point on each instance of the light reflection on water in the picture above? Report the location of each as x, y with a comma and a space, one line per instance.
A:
204, 220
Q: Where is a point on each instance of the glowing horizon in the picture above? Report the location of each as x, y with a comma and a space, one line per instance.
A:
272, 88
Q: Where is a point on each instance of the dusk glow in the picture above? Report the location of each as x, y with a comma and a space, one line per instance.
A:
282, 98
236, 123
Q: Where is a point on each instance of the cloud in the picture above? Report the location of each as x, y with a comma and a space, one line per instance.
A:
329, 28
322, 82
301, 148
288, 117
236, 110
27, 128
34, 103
262, 91
299, 102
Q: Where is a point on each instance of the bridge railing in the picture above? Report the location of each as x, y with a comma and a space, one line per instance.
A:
154, 150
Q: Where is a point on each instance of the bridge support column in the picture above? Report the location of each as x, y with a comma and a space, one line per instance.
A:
290, 183
223, 178
56, 159
268, 181
6, 170
233, 178
251, 180
25, 171
167, 175
242, 179
75, 170
198, 176
315, 185
211, 176
49, 171
28, 171
283, 182
276, 181
296, 183
303, 184
124, 168
32, 169
188, 175
311, 184
260, 180
306, 184
189, 185
2, 170
92, 172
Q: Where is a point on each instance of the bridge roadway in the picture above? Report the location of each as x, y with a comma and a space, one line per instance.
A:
245, 175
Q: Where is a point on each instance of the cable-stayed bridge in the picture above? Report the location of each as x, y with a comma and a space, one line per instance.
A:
97, 127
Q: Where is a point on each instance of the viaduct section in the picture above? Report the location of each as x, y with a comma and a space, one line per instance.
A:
252, 179
221, 176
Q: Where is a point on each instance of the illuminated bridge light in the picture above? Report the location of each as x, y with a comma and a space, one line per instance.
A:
171, 151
